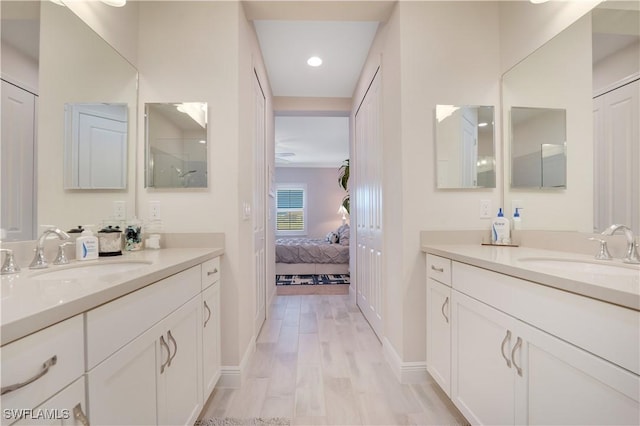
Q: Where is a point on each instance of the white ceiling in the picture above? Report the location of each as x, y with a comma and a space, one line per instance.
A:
291, 35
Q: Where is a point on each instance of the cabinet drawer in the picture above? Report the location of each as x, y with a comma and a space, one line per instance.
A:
210, 272
28, 357
111, 326
439, 269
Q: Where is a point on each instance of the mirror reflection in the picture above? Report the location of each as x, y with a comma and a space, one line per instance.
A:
538, 148
54, 58
95, 146
176, 135
465, 146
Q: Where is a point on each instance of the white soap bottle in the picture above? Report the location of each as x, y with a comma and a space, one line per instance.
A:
517, 220
500, 229
87, 245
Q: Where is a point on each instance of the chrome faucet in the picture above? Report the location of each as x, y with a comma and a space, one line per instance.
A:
9, 266
632, 251
39, 261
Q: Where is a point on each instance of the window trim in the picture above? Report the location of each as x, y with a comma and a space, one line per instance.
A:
292, 186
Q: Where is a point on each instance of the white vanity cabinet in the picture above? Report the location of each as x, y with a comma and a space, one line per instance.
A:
66, 408
518, 356
211, 356
39, 366
438, 321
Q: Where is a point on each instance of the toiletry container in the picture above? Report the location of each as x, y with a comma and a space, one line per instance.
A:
74, 233
517, 220
86, 245
133, 235
110, 241
500, 229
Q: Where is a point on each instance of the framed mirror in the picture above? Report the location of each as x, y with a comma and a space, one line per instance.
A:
538, 148
465, 153
176, 144
95, 146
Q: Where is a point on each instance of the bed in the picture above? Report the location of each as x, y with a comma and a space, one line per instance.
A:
310, 256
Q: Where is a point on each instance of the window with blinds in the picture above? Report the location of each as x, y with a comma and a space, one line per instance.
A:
290, 217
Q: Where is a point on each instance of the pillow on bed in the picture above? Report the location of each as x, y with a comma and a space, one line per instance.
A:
343, 234
332, 237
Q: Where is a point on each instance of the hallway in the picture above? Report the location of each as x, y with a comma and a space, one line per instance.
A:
318, 362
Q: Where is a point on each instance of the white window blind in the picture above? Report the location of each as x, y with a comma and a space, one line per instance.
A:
291, 210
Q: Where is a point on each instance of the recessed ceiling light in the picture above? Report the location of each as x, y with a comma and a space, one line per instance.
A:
538, 1
314, 61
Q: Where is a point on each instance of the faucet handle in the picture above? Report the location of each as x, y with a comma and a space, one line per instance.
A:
61, 258
9, 266
603, 252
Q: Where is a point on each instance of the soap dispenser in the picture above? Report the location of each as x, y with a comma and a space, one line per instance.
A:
500, 229
517, 220
87, 245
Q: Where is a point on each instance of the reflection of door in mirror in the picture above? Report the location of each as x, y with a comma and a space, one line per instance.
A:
18, 163
95, 146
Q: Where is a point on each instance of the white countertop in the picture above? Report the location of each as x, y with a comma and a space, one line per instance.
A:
620, 289
31, 302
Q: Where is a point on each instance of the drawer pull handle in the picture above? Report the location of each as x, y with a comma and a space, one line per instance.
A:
446, 302
45, 369
513, 356
215, 271
166, 363
208, 314
504, 342
79, 415
437, 269
175, 344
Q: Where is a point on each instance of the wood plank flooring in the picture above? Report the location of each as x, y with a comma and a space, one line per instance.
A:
317, 362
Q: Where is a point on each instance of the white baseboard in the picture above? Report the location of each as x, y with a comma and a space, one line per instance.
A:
232, 376
405, 372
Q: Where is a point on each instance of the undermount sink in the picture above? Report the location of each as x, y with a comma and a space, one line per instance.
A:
584, 266
91, 270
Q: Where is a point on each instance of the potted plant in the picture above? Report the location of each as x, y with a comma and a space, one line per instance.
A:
343, 181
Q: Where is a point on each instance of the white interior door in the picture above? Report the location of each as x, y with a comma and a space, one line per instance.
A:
259, 212
18, 163
617, 157
367, 205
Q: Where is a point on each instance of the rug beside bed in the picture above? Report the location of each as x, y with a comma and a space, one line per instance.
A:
323, 279
312, 284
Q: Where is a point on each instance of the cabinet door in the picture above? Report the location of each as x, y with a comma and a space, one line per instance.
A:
180, 383
439, 333
67, 408
122, 389
559, 383
210, 339
482, 377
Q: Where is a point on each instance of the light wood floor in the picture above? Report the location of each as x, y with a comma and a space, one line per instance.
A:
317, 362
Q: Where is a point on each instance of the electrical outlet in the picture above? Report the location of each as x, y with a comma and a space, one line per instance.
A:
154, 210
119, 210
485, 209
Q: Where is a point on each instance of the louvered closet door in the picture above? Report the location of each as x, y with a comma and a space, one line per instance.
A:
367, 206
259, 220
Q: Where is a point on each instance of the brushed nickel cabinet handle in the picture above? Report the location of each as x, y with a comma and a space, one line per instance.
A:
209, 314
446, 302
437, 269
504, 342
513, 354
168, 361
175, 344
79, 415
215, 271
44, 370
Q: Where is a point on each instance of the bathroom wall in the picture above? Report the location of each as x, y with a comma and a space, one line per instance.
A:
616, 66
324, 196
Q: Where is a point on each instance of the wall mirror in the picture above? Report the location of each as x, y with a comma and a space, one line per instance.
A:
602, 185
54, 58
176, 144
465, 146
95, 146
538, 148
